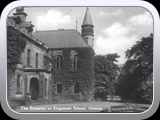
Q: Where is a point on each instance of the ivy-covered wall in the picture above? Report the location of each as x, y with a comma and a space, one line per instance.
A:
15, 46
67, 76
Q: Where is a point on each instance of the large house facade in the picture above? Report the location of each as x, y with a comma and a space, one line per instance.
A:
55, 65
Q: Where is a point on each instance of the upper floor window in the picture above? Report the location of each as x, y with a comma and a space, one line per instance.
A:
58, 62
74, 61
37, 60
28, 56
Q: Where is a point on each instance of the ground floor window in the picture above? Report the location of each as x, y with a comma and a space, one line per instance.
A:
76, 88
18, 84
59, 88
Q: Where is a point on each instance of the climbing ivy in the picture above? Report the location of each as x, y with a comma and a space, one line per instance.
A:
15, 46
67, 76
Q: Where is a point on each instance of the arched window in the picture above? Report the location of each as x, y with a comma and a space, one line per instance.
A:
58, 62
74, 59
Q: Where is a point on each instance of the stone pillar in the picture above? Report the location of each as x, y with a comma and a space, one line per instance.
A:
25, 85
41, 85
49, 88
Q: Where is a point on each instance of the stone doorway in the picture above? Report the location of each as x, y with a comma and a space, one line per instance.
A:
34, 88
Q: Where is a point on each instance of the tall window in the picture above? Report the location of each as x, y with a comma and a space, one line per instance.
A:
59, 88
37, 60
28, 56
18, 84
74, 61
76, 88
58, 62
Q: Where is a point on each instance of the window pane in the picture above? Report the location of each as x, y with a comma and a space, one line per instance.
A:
74, 61
58, 62
36, 60
28, 57
18, 83
76, 88
59, 88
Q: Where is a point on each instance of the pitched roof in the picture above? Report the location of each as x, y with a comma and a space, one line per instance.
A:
61, 38
87, 19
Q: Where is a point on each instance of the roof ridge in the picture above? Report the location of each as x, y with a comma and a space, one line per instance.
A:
61, 38
55, 30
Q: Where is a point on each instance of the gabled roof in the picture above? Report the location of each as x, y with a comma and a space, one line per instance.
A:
87, 19
61, 38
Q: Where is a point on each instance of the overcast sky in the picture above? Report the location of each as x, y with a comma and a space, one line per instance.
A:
116, 29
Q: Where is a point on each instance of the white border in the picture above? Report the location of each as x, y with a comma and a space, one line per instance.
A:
113, 3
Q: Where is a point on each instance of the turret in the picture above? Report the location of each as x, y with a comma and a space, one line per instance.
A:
87, 29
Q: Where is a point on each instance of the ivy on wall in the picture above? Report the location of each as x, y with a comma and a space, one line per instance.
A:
15, 46
67, 76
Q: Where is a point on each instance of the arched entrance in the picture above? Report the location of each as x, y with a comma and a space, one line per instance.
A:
34, 88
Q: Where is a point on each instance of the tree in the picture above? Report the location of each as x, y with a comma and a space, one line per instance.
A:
106, 71
134, 81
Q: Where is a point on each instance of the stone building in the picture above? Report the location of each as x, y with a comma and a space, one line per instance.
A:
55, 65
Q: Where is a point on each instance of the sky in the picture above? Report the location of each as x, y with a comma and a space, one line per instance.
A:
116, 29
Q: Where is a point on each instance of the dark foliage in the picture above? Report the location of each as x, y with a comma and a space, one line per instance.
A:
136, 76
15, 46
106, 71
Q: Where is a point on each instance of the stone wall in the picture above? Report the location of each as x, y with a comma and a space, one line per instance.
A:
34, 49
